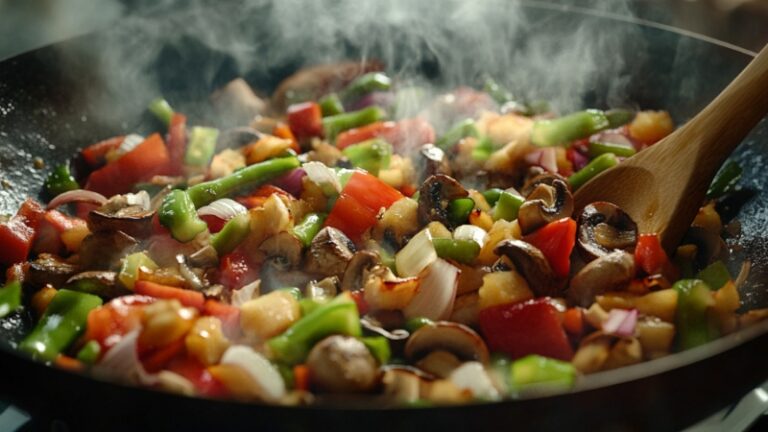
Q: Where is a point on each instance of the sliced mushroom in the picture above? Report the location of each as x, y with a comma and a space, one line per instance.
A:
434, 197
546, 203
100, 283
129, 213
457, 339
342, 364
284, 247
533, 265
330, 252
50, 269
611, 272
103, 250
604, 227
439, 363
361, 262
405, 383
432, 161
205, 257
324, 289
538, 176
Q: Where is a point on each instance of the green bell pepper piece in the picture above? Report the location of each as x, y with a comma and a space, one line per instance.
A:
371, 155
715, 275
202, 146
162, 110
330, 104
691, 324
10, 297
463, 251
559, 131
339, 316
416, 323
89, 353
619, 117
231, 234
725, 180
252, 175
459, 210
129, 271
598, 148
379, 348
178, 214
483, 149
492, 195
308, 228
507, 206
593, 168
334, 124
60, 180
61, 324
534, 371
459, 131
367, 83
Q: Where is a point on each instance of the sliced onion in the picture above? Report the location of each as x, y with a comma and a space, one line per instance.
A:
77, 196
578, 160
416, 255
223, 208
130, 142
139, 199
291, 182
612, 137
472, 376
121, 363
436, 294
545, 158
265, 375
471, 232
323, 176
621, 322
247, 292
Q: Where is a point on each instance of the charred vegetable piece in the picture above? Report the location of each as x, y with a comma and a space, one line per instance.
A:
339, 316
332, 125
536, 372
462, 129
330, 104
178, 214
62, 323
463, 251
162, 110
371, 155
10, 297
435, 196
593, 168
60, 180
202, 146
252, 175
571, 127
308, 228
693, 328
232, 234
725, 180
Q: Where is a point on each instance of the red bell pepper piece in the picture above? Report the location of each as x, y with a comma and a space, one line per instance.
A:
228, 314
96, 154
186, 297
146, 160
52, 226
155, 360
301, 377
198, 375
520, 329
236, 270
305, 120
360, 201
18, 234
363, 133
107, 324
573, 320
359, 298
556, 240
650, 256
405, 134
177, 143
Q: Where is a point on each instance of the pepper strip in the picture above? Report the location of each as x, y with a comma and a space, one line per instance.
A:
178, 214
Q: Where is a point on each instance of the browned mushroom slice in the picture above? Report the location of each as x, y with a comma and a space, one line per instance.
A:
533, 265
432, 161
360, 263
283, 246
330, 252
604, 227
611, 272
434, 197
50, 269
100, 283
103, 250
538, 176
128, 213
342, 364
546, 203
454, 338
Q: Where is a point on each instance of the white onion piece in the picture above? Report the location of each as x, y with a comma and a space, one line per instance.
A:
437, 292
322, 176
621, 322
472, 376
471, 232
247, 292
138, 199
223, 208
416, 255
121, 363
612, 137
77, 195
130, 142
264, 374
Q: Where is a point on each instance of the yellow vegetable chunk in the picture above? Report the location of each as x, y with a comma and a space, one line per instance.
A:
269, 315
206, 341
502, 288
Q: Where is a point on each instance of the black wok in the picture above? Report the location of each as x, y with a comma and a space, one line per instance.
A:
48, 109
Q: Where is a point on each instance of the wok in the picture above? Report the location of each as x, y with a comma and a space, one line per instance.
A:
51, 104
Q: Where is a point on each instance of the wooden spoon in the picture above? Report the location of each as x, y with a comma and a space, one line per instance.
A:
663, 186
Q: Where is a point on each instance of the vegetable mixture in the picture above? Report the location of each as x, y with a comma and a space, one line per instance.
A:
356, 236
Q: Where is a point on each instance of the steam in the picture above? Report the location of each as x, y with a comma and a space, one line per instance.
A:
444, 43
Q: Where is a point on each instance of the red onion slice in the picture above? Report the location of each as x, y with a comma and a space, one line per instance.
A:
545, 158
223, 208
437, 291
621, 322
77, 196
291, 182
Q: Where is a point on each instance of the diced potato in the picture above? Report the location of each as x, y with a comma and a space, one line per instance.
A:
465, 309
591, 357
267, 147
439, 363
616, 300
445, 392
237, 380
564, 166
269, 219
438, 230
481, 219
400, 219
385, 291
655, 336
509, 127
269, 315
651, 126
500, 231
596, 315
727, 298
624, 352
226, 162
480, 202
709, 219
312, 195
470, 278
662, 303
503, 287
41, 299
165, 321
206, 341
73, 237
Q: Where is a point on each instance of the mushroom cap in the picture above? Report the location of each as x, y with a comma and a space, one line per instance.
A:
330, 252
457, 339
607, 273
604, 227
545, 177
361, 262
545, 203
435, 195
342, 364
433, 160
533, 265
285, 246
